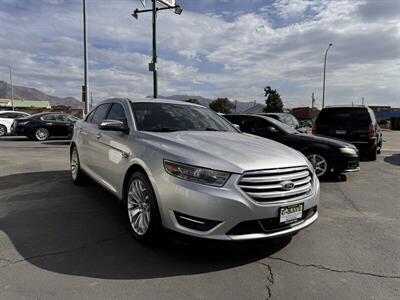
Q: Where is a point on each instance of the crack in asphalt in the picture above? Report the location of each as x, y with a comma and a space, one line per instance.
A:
331, 269
66, 251
270, 278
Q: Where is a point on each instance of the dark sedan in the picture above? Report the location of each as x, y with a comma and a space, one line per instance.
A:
42, 126
327, 155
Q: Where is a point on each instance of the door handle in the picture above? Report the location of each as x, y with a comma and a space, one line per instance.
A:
98, 135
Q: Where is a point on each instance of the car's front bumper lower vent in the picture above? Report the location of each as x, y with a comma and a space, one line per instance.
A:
277, 184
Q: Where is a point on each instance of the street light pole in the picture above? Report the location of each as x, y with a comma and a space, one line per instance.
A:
323, 85
85, 87
153, 67
12, 89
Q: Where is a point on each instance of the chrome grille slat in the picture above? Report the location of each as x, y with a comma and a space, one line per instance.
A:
274, 171
281, 177
274, 186
266, 195
271, 185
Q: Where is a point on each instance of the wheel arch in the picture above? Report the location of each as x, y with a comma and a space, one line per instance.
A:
132, 169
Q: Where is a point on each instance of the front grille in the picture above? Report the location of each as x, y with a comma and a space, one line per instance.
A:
277, 184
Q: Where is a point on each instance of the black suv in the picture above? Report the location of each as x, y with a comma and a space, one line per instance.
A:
355, 124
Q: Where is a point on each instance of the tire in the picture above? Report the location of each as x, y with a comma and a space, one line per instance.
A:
372, 154
142, 209
41, 134
3, 130
320, 163
78, 177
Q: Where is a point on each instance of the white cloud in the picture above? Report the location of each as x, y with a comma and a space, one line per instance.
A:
206, 54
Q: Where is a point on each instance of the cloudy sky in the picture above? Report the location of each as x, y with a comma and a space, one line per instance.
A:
225, 48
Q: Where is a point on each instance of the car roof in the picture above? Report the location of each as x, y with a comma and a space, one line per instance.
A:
150, 100
13, 111
346, 106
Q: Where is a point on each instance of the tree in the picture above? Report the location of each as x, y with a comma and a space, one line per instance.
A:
222, 105
192, 100
273, 101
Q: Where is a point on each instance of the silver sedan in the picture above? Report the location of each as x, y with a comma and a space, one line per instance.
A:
185, 168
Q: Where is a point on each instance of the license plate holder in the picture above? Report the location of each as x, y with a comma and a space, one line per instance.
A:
292, 213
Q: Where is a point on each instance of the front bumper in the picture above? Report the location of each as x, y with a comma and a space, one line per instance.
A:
226, 208
345, 163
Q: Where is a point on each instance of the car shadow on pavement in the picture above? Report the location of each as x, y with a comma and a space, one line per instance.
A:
82, 231
394, 159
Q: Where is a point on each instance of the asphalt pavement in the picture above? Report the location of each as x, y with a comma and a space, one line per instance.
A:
59, 241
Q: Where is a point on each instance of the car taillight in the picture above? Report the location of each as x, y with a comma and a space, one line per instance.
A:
371, 132
22, 123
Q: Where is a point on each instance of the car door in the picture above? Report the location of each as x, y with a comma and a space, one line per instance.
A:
94, 150
50, 123
63, 125
114, 149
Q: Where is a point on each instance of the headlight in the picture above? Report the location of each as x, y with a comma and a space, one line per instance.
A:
196, 174
348, 150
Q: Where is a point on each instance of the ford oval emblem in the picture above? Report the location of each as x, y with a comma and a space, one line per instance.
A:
287, 185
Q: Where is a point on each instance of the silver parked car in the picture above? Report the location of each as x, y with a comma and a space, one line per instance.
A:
183, 167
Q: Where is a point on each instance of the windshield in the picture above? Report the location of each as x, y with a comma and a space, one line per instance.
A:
167, 117
284, 127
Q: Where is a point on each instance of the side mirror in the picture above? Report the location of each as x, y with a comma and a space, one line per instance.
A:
114, 125
236, 126
271, 129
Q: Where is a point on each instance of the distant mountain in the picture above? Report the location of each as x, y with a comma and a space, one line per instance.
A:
27, 93
240, 106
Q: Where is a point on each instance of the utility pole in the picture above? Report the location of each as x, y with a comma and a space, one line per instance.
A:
312, 107
12, 89
169, 4
323, 84
154, 62
362, 100
85, 87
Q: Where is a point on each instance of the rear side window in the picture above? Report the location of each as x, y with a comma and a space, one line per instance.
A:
90, 116
234, 119
100, 114
116, 112
49, 117
345, 117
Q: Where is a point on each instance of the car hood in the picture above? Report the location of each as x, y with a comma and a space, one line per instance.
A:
325, 140
225, 151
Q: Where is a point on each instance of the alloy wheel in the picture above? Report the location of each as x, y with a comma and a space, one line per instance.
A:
139, 209
41, 134
74, 164
2, 130
319, 164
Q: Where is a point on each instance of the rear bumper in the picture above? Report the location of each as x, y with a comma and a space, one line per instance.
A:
365, 146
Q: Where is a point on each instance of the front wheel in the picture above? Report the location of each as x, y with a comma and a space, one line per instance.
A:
320, 164
142, 208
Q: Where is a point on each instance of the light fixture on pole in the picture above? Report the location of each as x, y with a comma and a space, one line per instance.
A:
323, 85
168, 4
